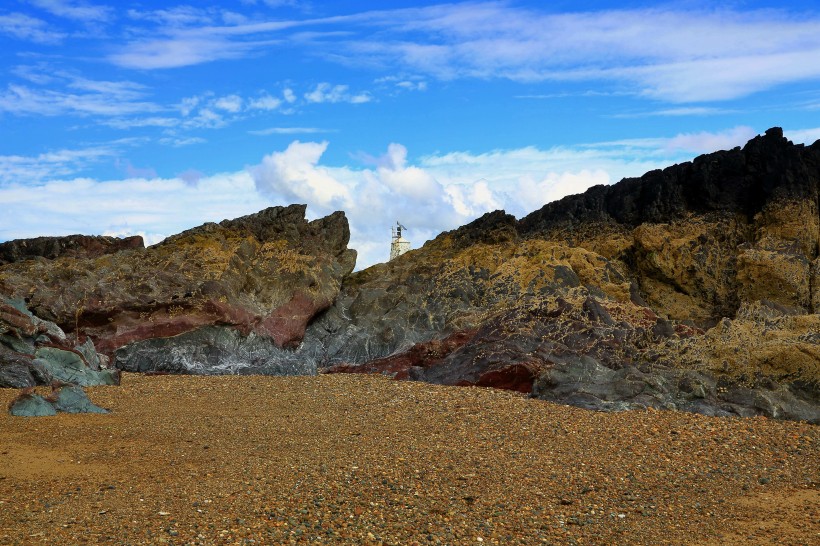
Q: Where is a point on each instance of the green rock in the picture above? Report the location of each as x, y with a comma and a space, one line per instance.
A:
69, 367
31, 405
72, 399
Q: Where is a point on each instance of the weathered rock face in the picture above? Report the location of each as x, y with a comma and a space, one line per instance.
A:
692, 287
36, 352
73, 246
266, 274
703, 237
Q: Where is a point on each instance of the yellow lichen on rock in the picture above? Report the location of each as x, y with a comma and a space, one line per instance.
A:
761, 340
776, 276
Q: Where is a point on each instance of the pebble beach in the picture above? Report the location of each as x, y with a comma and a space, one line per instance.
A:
344, 459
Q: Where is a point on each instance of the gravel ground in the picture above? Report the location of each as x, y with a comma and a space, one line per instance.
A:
365, 460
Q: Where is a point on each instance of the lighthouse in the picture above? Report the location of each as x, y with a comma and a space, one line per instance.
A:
398, 244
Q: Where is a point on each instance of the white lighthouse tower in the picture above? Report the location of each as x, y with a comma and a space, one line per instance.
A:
398, 245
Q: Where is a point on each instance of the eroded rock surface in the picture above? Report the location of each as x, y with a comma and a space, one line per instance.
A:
692, 288
73, 246
265, 275
36, 352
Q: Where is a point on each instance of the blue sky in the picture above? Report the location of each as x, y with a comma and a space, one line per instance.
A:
152, 117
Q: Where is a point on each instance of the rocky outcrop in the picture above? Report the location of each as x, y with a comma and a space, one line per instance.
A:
703, 237
692, 287
37, 352
695, 287
261, 278
71, 246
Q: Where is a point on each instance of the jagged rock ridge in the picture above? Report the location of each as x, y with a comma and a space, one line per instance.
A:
693, 287
246, 288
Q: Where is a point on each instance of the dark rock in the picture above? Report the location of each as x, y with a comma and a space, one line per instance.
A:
616, 298
213, 350
768, 168
16, 370
73, 246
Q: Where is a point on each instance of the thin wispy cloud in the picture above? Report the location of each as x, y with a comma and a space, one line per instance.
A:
290, 131
803, 136
25, 27
21, 99
684, 143
20, 169
80, 11
685, 111
664, 53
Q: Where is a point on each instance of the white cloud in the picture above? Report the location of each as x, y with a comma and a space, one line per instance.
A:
325, 92
230, 103
441, 192
705, 142
80, 11
264, 102
429, 195
683, 144
683, 111
803, 136
205, 118
49, 165
289, 131
179, 142
674, 55
153, 121
175, 17
289, 95
294, 174
74, 95
25, 27
154, 208
410, 182
161, 53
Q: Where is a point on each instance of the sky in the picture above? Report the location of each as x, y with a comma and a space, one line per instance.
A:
150, 117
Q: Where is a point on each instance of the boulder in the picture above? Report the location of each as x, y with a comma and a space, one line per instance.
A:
63, 398
72, 399
30, 404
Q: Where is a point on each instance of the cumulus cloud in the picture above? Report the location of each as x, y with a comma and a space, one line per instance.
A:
294, 175
434, 193
428, 194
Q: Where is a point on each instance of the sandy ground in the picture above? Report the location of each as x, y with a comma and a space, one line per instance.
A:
365, 460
